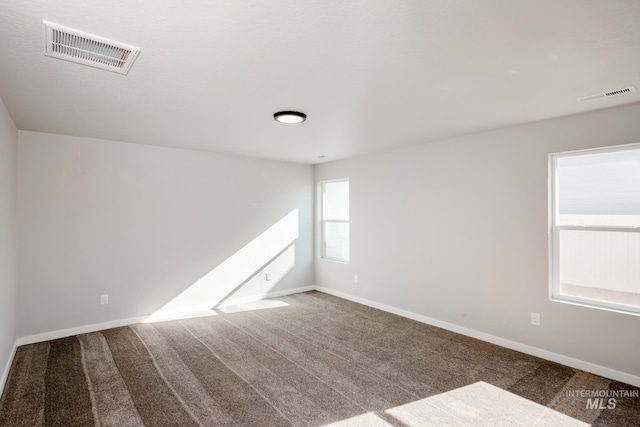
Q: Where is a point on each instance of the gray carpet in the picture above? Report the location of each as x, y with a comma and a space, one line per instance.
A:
313, 360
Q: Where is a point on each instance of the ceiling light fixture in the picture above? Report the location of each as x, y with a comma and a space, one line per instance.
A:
290, 117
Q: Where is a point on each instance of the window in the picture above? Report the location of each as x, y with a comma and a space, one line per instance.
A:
335, 220
595, 228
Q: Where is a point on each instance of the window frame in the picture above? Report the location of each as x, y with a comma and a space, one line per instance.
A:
554, 236
324, 220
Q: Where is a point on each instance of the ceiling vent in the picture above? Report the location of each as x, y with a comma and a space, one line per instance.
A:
608, 94
87, 49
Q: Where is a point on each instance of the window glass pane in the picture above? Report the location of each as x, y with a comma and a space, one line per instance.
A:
336, 240
336, 200
599, 188
595, 249
600, 265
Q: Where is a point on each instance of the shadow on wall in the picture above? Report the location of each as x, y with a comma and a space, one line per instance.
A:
274, 247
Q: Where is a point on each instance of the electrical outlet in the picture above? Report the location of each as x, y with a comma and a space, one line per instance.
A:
104, 299
268, 277
535, 319
355, 278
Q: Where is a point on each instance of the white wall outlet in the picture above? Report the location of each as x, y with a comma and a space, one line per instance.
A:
268, 277
104, 299
535, 319
355, 278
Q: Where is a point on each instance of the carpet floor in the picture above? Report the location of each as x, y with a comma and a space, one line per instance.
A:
307, 359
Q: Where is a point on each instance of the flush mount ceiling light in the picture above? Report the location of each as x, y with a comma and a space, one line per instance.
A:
290, 117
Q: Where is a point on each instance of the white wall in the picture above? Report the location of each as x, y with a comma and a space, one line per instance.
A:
8, 250
456, 230
142, 224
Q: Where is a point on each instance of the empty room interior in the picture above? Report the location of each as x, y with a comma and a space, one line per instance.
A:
408, 213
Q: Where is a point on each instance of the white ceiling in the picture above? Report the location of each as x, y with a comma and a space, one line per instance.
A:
371, 75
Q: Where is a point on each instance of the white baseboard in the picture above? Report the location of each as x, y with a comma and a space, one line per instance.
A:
46, 336
7, 367
513, 345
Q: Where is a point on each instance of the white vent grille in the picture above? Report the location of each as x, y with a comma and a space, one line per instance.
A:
87, 49
608, 94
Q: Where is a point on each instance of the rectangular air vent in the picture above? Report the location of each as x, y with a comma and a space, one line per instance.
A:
608, 94
87, 49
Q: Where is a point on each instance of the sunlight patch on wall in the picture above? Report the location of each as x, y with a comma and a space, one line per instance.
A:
258, 287
224, 279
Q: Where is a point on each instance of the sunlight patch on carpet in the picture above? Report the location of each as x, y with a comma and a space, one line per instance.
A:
479, 404
368, 419
251, 306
